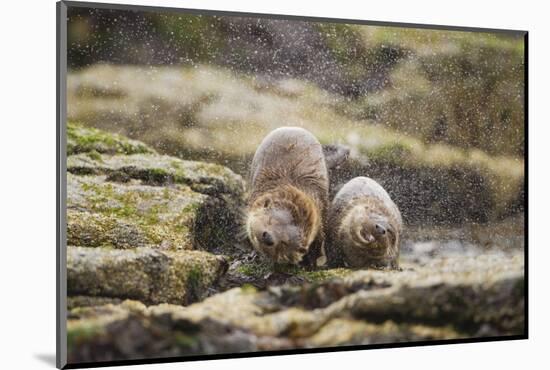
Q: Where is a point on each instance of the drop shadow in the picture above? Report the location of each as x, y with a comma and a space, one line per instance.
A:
47, 358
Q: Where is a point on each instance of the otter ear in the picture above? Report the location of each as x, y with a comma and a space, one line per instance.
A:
335, 155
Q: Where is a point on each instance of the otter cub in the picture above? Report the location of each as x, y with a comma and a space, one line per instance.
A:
365, 226
289, 197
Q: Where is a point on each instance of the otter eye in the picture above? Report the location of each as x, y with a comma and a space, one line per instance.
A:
266, 203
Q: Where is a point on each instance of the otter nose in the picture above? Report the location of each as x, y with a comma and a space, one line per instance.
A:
381, 230
267, 239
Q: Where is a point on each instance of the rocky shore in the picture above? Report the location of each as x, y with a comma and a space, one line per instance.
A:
157, 266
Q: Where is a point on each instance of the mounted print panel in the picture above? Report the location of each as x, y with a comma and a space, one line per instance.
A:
236, 184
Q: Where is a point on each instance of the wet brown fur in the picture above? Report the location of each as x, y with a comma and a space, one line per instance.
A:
340, 231
300, 189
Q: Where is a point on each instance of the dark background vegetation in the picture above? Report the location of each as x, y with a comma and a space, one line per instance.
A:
476, 78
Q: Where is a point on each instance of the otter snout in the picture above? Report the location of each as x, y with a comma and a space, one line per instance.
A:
267, 239
274, 232
366, 235
371, 233
379, 229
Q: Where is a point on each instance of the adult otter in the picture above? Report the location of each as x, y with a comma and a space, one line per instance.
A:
289, 197
364, 226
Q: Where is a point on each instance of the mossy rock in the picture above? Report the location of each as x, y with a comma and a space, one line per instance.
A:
152, 169
81, 139
148, 200
439, 299
440, 86
145, 274
123, 216
338, 332
81, 301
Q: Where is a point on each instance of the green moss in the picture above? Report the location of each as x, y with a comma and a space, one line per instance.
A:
97, 230
185, 341
212, 169
94, 155
166, 194
195, 277
175, 165
260, 269
82, 333
248, 289
392, 152
324, 275
257, 269
81, 139
155, 176
191, 208
118, 215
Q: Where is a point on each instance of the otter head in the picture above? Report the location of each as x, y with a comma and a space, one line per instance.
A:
368, 233
276, 229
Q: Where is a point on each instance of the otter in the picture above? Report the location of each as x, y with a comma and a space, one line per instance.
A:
288, 200
365, 226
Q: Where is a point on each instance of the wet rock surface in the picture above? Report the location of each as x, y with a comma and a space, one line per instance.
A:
138, 222
157, 267
147, 200
445, 298
145, 274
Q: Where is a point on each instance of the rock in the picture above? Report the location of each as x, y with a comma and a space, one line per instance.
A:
90, 301
139, 223
261, 273
437, 298
82, 139
338, 332
149, 200
159, 170
131, 331
145, 274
